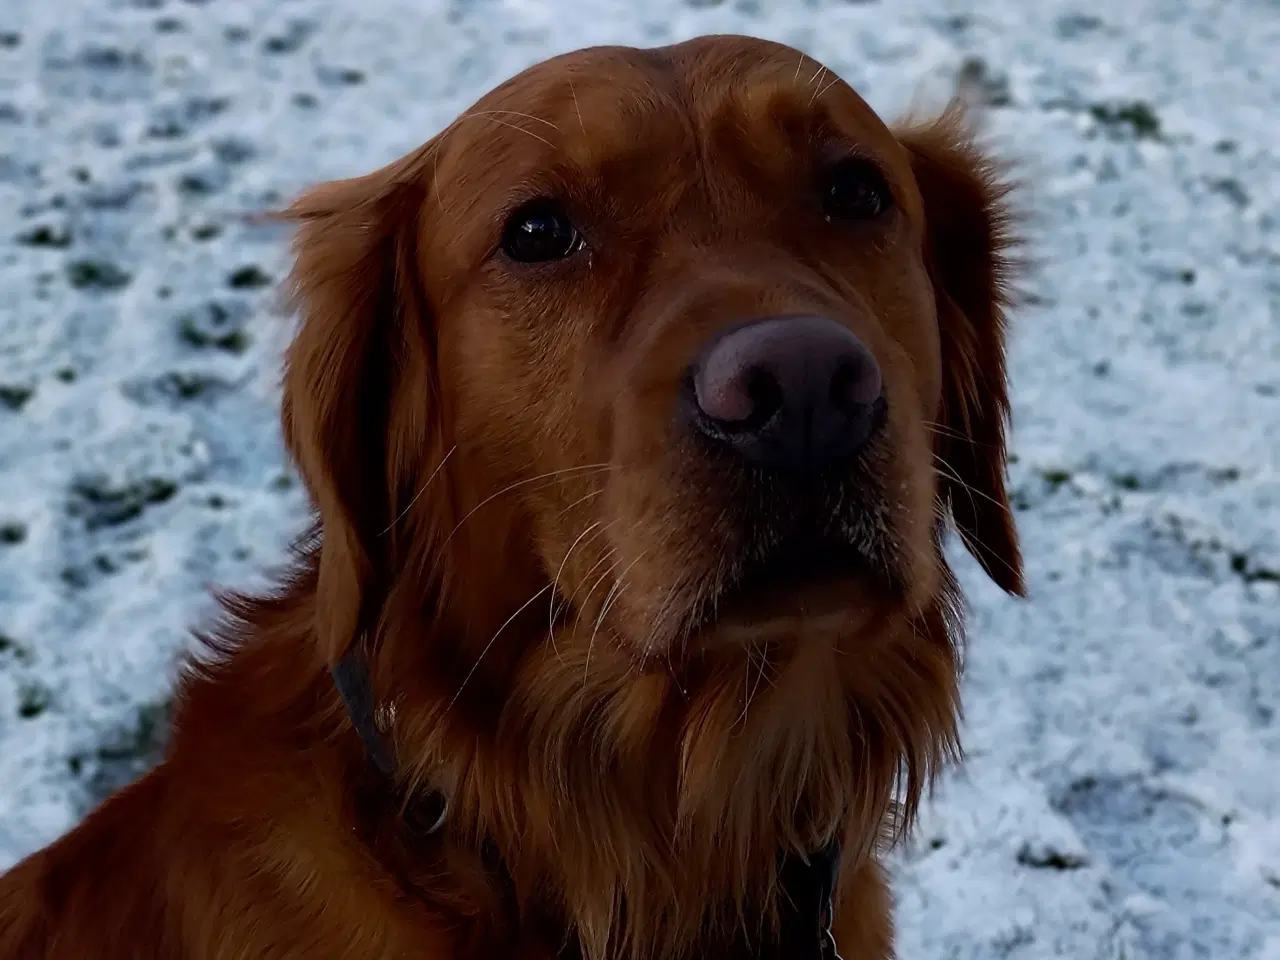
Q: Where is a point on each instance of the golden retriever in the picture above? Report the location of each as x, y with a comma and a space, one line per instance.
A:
634, 408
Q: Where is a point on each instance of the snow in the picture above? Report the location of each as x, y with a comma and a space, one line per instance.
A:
1121, 797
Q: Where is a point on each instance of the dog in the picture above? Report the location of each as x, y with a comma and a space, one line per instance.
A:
635, 408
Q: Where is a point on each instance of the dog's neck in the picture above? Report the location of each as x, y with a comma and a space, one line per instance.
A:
807, 883
650, 813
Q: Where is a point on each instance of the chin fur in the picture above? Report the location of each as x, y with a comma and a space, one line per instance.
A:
645, 807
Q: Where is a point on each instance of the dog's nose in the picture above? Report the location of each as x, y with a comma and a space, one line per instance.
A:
793, 393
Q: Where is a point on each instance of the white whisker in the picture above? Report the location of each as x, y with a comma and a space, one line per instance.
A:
610, 598
554, 474
467, 679
555, 581
409, 506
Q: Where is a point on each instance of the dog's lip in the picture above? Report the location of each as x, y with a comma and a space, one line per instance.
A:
805, 579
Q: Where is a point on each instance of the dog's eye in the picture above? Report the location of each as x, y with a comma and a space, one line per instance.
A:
855, 190
540, 231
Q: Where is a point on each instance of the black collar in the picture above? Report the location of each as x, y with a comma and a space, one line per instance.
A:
808, 884
423, 814
808, 908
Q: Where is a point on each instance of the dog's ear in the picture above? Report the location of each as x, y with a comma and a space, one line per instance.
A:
360, 404
968, 242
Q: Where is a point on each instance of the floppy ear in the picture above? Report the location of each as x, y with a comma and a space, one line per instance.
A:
967, 244
364, 341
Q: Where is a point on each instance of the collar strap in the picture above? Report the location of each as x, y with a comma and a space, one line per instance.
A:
827, 869
809, 889
424, 815
351, 677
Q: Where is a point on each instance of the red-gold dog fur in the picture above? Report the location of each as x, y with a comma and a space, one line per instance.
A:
533, 559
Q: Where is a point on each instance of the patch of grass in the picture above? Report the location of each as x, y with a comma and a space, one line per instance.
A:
74, 577
1127, 481
1138, 117
1050, 858
1243, 566
340, 76
233, 150
188, 385
100, 275
195, 183
173, 385
1232, 189
53, 236
142, 741
202, 182
290, 39
128, 752
14, 396
33, 700
214, 325
166, 126
1071, 26
988, 86
103, 505
249, 277
1056, 477
10, 647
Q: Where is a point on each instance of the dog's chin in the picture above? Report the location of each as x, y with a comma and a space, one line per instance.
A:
803, 585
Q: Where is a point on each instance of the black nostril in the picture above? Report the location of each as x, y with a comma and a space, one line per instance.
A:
854, 387
843, 387
759, 399
766, 397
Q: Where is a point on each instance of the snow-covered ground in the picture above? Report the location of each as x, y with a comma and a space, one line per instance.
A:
1122, 793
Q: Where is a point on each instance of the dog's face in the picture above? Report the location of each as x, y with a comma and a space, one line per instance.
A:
686, 311
708, 322
655, 371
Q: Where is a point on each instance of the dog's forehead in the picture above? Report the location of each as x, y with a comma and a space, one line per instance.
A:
592, 107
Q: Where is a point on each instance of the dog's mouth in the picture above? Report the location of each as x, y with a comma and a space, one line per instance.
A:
803, 577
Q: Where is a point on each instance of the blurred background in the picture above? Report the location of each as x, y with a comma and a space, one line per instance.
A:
1121, 797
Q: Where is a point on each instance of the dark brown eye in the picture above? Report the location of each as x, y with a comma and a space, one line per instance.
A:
855, 190
540, 231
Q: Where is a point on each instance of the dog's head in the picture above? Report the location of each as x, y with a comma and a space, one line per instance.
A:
634, 406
